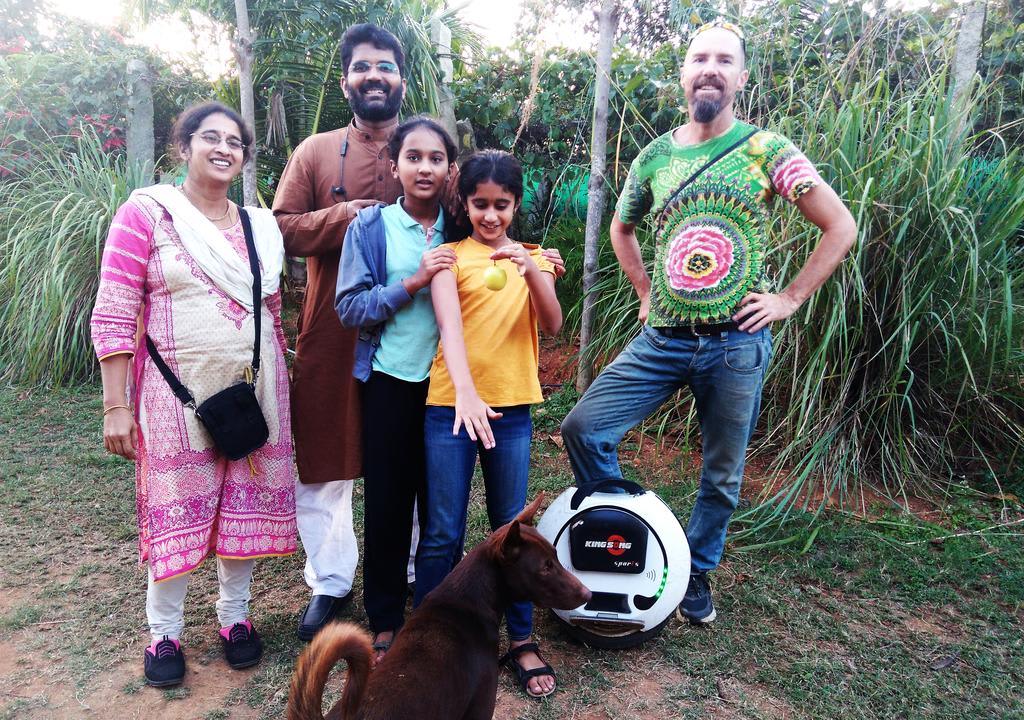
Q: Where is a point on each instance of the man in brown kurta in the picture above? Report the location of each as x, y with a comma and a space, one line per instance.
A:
326, 414
328, 179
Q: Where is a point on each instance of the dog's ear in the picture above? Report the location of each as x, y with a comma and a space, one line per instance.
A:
530, 511
511, 543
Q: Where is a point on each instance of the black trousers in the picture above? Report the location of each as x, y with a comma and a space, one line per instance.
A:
394, 472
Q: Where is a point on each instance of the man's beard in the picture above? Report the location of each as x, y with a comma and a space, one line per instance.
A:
704, 111
374, 110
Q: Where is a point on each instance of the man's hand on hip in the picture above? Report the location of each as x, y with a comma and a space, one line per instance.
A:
645, 307
757, 310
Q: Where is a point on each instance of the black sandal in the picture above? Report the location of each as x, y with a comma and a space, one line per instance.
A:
523, 676
382, 647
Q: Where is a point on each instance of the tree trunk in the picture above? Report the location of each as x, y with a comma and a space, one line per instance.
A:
607, 22
968, 46
140, 139
441, 36
244, 56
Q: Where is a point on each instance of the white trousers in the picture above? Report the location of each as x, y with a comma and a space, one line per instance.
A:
323, 512
165, 600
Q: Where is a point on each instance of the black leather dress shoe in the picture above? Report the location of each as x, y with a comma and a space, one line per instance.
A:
320, 611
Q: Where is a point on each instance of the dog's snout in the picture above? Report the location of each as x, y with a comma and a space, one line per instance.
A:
583, 594
574, 593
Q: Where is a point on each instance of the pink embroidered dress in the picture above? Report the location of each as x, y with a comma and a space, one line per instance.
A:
191, 500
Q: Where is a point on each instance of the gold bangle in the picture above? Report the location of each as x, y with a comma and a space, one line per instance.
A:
114, 407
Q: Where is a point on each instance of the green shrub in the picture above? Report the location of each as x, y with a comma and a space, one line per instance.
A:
53, 223
51, 86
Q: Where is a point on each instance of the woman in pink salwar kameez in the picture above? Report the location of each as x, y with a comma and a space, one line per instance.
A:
179, 256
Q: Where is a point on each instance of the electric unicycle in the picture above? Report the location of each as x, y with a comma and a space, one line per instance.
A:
630, 551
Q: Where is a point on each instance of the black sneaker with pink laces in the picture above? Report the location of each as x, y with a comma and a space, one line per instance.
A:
164, 663
242, 645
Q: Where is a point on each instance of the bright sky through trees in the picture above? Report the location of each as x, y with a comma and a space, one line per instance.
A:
496, 21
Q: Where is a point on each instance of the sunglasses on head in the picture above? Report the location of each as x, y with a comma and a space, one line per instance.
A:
725, 25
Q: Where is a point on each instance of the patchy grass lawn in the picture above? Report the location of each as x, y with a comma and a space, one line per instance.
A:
875, 619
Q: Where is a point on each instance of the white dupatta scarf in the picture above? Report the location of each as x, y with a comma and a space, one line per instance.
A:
214, 254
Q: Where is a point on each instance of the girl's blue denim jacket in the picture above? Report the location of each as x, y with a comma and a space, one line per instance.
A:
361, 298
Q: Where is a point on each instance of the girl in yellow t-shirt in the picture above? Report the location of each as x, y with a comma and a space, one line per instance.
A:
488, 306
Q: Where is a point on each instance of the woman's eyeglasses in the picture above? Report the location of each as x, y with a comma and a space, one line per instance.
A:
213, 139
362, 67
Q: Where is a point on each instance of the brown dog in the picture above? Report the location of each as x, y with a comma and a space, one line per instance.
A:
443, 665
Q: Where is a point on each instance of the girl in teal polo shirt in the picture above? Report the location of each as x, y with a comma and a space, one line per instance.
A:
389, 256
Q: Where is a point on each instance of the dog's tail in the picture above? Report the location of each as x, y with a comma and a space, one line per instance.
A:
335, 642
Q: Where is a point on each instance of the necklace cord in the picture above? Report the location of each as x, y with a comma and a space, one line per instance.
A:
211, 219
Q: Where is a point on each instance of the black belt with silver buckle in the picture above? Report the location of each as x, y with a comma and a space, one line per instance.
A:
692, 331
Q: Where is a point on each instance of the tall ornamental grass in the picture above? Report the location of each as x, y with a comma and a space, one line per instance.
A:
53, 222
904, 371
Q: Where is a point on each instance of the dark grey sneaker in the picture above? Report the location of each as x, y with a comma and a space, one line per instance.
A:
242, 645
697, 606
165, 663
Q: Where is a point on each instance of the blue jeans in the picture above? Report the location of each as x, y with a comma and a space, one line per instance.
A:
724, 371
450, 463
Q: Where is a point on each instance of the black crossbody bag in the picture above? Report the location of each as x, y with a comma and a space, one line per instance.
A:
233, 416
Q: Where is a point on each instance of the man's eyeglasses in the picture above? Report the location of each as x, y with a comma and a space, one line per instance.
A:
362, 67
213, 139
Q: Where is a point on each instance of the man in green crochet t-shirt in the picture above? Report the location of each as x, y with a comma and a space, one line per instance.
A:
708, 188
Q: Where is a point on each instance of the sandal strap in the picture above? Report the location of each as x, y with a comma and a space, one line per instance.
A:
527, 675
514, 653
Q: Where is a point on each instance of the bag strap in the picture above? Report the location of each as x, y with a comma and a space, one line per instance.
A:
700, 171
180, 391
257, 294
